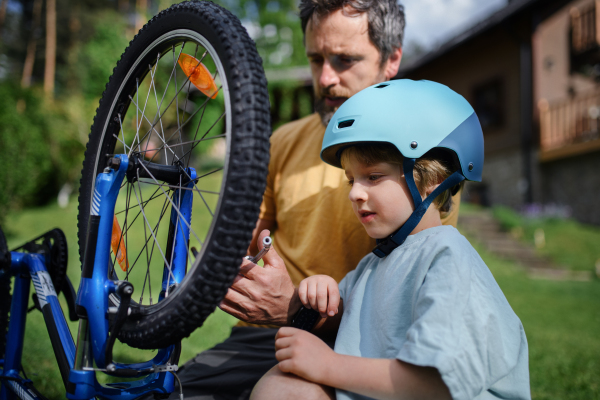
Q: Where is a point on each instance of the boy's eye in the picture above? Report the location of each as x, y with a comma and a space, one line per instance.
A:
350, 182
374, 177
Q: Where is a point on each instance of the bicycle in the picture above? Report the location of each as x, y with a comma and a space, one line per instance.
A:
182, 128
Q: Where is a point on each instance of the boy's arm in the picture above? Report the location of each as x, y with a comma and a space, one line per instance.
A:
321, 294
385, 379
327, 328
303, 354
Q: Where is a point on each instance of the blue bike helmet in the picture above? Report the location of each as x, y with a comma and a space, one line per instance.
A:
416, 117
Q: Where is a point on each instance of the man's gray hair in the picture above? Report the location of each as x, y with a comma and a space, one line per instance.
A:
386, 19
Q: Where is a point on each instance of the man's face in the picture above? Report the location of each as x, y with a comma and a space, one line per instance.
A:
343, 60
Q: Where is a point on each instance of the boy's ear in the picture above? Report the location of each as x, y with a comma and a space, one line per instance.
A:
431, 188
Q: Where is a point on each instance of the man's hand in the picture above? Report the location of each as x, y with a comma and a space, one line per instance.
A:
263, 295
303, 354
321, 293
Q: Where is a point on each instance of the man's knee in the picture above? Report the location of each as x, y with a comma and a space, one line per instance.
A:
276, 385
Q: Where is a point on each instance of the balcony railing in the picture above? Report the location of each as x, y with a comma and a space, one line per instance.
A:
585, 34
569, 127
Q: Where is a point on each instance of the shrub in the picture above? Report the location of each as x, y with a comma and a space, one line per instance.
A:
38, 149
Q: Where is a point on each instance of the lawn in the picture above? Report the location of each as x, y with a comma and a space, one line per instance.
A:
561, 319
570, 244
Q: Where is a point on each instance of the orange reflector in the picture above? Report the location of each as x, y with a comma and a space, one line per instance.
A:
118, 245
198, 75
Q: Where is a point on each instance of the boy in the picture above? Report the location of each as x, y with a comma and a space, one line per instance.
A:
422, 317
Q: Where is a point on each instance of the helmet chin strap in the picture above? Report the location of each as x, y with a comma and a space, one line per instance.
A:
387, 245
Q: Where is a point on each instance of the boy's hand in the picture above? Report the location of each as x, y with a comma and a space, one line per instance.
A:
302, 353
321, 293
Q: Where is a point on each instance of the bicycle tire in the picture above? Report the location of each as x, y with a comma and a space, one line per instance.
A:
5, 295
247, 131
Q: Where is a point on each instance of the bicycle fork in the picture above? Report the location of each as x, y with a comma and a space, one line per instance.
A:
94, 341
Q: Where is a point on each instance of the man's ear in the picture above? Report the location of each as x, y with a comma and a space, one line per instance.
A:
393, 63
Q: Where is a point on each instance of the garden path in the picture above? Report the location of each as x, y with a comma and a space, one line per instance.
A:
480, 225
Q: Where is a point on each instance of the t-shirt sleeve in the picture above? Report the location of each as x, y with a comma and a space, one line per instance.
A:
349, 281
462, 326
343, 286
267, 208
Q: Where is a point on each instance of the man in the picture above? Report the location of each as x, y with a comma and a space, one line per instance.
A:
351, 44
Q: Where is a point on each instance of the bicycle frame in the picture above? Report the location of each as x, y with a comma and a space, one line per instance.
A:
76, 363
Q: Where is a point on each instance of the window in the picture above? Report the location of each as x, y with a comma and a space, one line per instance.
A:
488, 102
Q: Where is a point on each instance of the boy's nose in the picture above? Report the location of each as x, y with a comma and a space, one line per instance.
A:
357, 193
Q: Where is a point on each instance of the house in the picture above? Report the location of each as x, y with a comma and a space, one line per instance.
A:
532, 73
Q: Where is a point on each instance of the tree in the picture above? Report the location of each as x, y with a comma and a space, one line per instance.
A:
32, 45
3, 13
275, 27
50, 67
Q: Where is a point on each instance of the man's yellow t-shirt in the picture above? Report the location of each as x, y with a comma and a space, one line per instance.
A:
317, 231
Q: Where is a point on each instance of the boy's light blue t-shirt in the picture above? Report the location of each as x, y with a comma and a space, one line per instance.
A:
434, 303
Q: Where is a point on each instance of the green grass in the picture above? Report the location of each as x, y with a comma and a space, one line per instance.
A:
569, 243
561, 319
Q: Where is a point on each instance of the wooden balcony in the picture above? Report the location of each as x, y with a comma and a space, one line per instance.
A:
585, 35
569, 127
584, 22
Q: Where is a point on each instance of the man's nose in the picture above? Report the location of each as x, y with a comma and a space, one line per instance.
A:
329, 76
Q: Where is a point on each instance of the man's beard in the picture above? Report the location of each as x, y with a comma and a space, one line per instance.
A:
321, 107
325, 111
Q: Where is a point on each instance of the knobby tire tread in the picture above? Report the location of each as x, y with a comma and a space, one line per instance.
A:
189, 306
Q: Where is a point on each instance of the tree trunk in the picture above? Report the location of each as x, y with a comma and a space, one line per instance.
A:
123, 6
2, 14
32, 45
49, 71
141, 19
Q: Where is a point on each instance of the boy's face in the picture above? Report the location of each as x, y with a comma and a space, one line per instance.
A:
380, 196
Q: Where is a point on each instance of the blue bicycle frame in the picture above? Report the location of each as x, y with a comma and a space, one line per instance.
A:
76, 363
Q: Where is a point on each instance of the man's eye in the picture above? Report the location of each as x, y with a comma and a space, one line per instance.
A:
317, 61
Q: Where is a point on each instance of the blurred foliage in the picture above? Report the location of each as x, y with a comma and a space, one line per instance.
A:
275, 27
37, 151
43, 140
97, 58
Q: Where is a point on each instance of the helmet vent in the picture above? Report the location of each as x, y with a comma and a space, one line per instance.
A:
346, 124
382, 86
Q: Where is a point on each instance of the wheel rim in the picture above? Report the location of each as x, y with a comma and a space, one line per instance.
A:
167, 123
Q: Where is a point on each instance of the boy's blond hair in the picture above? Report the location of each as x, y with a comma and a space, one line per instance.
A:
433, 168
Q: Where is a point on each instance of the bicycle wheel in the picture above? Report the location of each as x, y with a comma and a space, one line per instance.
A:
5, 295
156, 111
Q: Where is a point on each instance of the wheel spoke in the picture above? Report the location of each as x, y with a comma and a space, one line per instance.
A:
207, 132
171, 201
151, 231
156, 117
171, 102
190, 118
